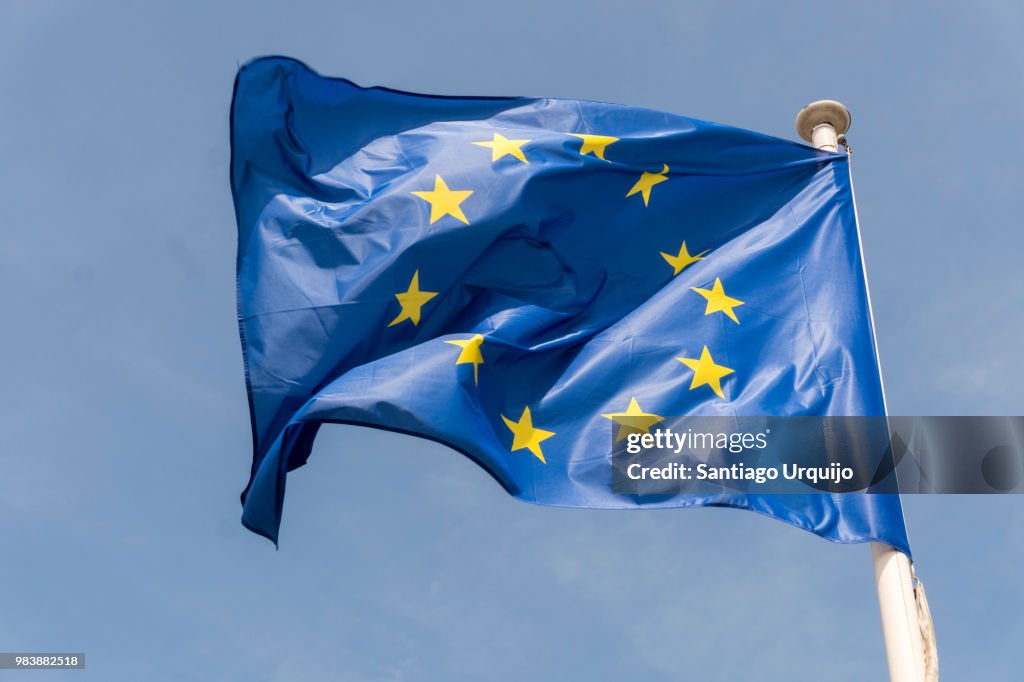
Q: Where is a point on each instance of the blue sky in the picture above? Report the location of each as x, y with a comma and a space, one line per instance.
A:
125, 435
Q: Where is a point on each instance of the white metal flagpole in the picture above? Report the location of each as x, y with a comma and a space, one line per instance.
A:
822, 123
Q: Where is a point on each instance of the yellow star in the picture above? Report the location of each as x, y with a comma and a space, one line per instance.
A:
501, 145
706, 372
412, 301
444, 201
682, 260
646, 182
526, 436
718, 301
470, 354
633, 420
594, 144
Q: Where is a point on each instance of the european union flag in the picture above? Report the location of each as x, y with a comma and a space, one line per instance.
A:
513, 276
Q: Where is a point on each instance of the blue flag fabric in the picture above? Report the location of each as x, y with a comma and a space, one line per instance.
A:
509, 275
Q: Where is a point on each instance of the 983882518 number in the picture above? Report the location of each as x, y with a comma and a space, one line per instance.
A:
16, 661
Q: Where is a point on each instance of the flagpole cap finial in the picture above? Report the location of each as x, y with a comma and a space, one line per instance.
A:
823, 111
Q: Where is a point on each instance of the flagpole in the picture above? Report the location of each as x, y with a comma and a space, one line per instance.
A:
823, 123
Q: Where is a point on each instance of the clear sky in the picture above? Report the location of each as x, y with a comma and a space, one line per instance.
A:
124, 435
